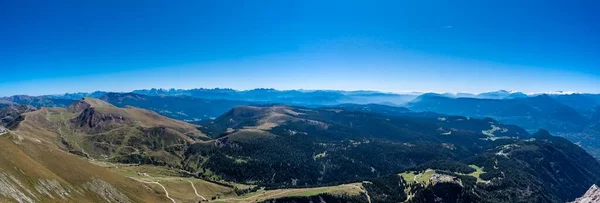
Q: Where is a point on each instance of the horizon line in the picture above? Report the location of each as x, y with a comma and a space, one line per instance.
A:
314, 90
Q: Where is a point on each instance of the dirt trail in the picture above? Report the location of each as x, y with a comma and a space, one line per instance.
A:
196, 191
154, 182
364, 190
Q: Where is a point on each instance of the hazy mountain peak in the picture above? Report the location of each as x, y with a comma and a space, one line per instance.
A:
503, 91
542, 133
501, 94
560, 92
431, 94
543, 98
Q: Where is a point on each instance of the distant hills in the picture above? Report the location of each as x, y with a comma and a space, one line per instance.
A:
574, 116
530, 112
36, 101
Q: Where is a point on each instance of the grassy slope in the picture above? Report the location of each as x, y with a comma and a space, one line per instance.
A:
30, 162
262, 195
53, 125
41, 156
423, 177
410, 176
179, 188
477, 173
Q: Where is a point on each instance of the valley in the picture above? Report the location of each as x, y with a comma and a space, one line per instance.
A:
283, 153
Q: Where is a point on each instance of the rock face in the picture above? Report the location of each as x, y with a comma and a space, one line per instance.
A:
591, 196
12, 188
93, 120
97, 115
106, 191
10, 116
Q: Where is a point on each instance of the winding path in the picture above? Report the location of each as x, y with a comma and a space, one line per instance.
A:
154, 182
196, 191
366, 192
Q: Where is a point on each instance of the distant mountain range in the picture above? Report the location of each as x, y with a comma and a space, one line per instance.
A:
501, 94
226, 93
179, 107
317, 97
574, 116
296, 97
530, 112
36, 101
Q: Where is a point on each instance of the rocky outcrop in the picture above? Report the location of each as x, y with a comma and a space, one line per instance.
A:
96, 115
106, 191
11, 116
591, 196
13, 189
86, 103
93, 120
53, 189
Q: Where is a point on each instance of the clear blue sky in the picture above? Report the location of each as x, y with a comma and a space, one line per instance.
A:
49, 47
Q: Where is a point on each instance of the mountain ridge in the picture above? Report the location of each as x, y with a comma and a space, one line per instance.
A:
563, 115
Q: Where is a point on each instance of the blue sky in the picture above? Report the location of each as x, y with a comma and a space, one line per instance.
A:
49, 47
